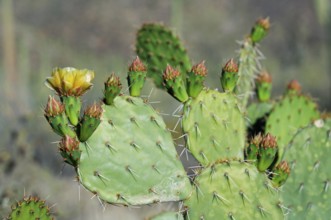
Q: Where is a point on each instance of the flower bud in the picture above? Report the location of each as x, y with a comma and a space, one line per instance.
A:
229, 76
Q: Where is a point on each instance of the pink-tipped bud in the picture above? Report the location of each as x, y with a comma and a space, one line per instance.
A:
53, 107
294, 85
137, 66
264, 77
264, 23
231, 66
269, 141
94, 111
170, 73
69, 144
113, 80
283, 166
200, 69
256, 140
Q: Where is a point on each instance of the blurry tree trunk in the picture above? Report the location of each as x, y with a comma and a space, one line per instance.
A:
177, 15
9, 57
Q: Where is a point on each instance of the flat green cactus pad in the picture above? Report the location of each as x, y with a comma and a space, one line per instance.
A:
131, 159
30, 208
256, 111
214, 127
158, 46
289, 114
168, 216
233, 190
307, 190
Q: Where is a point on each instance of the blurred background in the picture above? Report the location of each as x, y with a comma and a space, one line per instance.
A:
38, 35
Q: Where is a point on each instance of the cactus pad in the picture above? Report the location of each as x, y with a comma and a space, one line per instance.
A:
214, 127
307, 189
256, 111
130, 159
157, 46
168, 216
30, 208
289, 114
233, 190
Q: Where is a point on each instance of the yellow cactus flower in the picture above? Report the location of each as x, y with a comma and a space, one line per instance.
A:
69, 81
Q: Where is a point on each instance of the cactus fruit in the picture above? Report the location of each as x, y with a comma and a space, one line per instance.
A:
136, 77
263, 86
69, 149
260, 29
130, 159
157, 46
168, 216
196, 79
30, 208
113, 88
54, 114
280, 174
233, 190
292, 112
89, 122
175, 84
214, 126
307, 190
229, 76
267, 152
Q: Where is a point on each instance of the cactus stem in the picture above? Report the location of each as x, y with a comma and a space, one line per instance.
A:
111, 147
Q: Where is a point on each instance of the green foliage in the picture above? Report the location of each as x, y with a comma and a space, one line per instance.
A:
157, 46
214, 127
233, 190
307, 191
130, 159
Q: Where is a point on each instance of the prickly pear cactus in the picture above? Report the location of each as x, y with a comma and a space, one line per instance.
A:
214, 126
292, 112
130, 158
158, 46
233, 190
168, 216
30, 208
307, 190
